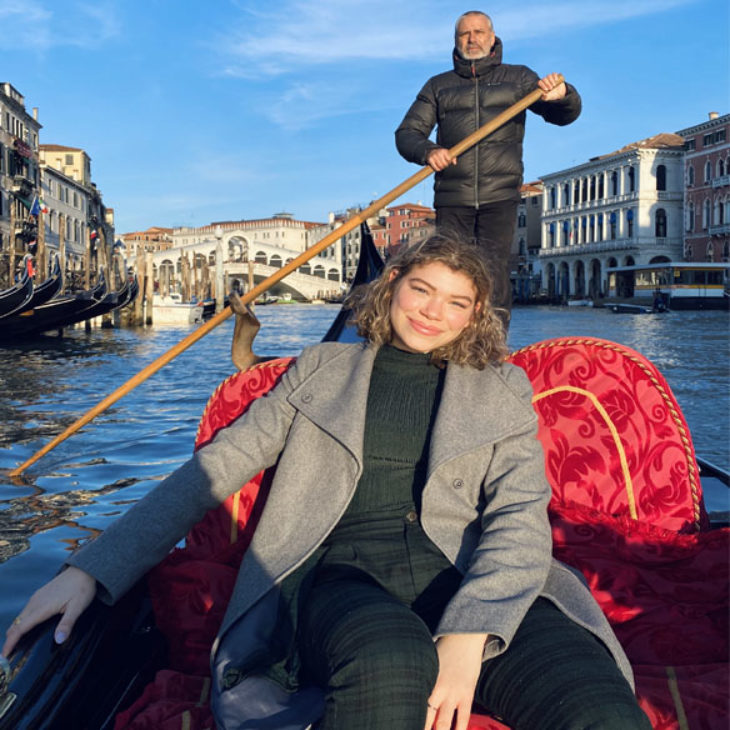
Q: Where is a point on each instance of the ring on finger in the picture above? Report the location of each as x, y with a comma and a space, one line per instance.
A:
433, 707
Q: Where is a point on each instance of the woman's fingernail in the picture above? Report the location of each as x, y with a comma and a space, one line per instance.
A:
60, 637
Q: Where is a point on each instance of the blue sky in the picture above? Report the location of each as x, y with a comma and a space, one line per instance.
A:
194, 111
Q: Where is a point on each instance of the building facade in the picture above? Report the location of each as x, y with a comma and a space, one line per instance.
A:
155, 238
75, 213
406, 225
707, 190
620, 209
19, 179
525, 265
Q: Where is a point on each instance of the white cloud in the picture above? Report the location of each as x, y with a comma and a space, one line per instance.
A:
301, 33
35, 25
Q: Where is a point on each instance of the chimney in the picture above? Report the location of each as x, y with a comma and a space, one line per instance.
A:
35, 113
714, 115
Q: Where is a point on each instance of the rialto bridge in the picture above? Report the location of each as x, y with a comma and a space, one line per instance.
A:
320, 276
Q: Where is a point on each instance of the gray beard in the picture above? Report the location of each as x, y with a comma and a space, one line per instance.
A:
473, 57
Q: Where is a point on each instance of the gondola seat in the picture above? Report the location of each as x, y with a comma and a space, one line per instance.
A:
626, 510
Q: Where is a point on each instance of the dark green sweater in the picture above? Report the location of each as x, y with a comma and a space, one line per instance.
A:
405, 389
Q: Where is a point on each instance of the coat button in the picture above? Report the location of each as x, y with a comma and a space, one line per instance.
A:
411, 516
458, 483
307, 398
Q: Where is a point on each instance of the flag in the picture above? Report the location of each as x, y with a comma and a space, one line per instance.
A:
38, 206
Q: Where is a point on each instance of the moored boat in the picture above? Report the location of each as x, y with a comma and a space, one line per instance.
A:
15, 298
172, 309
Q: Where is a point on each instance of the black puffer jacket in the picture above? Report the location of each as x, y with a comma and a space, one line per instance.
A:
461, 101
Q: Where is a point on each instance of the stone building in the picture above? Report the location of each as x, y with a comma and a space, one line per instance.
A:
407, 224
525, 269
155, 238
75, 214
19, 179
707, 190
619, 209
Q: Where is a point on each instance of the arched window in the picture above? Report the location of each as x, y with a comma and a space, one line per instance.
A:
708, 171
576, 191
593, 187
691, 218
601, 191
612, 224
690, 174
660, 223
661, 177
521, 220
709, 252
566, 194
599, 227
632, 179
551, 235
706, 214
720, 168
553, 198
584, 190
629, 223
614, 183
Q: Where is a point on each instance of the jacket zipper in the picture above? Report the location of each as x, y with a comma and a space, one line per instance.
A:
476, 148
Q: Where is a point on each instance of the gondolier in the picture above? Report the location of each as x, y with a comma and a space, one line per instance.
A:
477, 195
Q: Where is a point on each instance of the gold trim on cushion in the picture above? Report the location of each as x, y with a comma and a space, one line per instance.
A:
692, 474
628, 484
677, 699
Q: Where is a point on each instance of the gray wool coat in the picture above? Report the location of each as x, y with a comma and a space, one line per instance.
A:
484, 505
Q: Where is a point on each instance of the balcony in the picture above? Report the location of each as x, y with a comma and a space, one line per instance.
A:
721, 182
720, 230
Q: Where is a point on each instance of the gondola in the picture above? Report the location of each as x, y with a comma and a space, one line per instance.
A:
45, 291
15, 298
56, 314
115, 651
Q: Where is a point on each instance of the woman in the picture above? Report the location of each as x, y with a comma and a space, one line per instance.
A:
409, 504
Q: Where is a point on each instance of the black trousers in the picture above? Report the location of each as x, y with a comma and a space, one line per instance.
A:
492, 227
376, 660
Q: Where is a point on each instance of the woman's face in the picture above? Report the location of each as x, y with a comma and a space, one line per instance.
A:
431, 306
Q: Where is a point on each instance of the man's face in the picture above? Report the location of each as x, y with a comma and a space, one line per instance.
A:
474, 37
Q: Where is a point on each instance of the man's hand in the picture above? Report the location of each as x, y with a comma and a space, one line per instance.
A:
553, 88
439, 159
460, 662
69, 593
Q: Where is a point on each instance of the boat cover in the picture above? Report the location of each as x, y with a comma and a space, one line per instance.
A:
627, 511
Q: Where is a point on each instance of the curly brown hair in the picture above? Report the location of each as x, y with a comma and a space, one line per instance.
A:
482, 342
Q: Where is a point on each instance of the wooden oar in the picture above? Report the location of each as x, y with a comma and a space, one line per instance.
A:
259, 289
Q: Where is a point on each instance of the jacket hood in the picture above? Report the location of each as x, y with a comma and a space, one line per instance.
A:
463, 67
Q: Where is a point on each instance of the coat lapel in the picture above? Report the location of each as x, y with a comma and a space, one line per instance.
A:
335, 396
477, 408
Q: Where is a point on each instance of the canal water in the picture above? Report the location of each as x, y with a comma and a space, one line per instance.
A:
82, 485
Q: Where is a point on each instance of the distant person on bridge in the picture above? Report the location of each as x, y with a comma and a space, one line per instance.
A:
477, 196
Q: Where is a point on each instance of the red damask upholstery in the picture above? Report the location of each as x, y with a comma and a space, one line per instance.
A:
626, 510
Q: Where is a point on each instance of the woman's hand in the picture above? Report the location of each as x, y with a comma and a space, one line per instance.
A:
69, 593
460, 662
